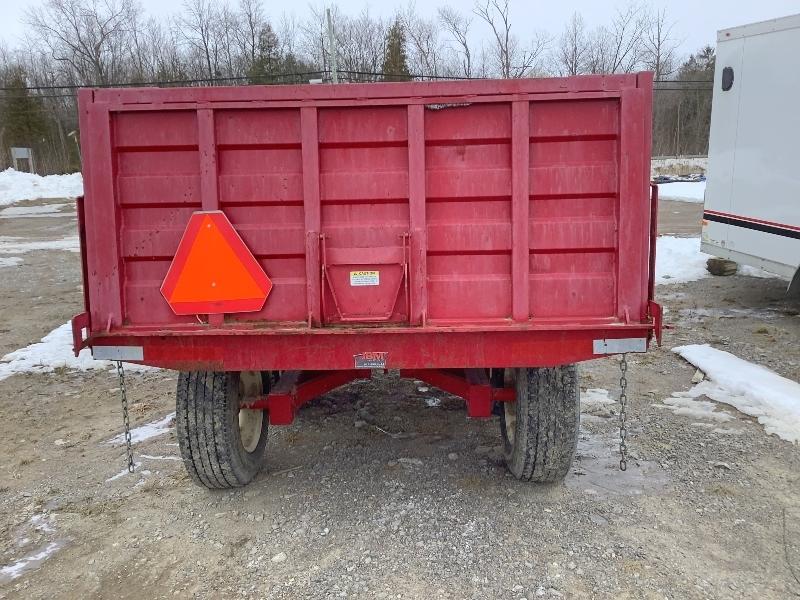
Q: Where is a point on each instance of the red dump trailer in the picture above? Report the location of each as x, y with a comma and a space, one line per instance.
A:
275, 242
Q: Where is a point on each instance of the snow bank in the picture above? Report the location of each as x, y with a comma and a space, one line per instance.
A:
678, 165
679, 260
685, 191
53, 352
16, 186
749, 388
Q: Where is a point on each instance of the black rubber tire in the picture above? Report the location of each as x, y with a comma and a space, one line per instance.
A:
546, 422
207, 425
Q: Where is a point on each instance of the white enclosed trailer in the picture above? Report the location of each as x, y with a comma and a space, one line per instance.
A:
752, 200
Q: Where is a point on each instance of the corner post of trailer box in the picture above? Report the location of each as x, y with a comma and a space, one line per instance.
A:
520, 209
645, 83
633, 205
309, 137
417, 218
103, 259
209, 191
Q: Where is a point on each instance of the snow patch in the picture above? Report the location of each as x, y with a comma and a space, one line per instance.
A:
16, 186
751, 389
683, 191
146, 431
151, 457
596, 397
679, 260
14, 245
122, 473
18, 568
53, 352
684, 404
754, 272
10, 261
42, 523
47, 210
432, 402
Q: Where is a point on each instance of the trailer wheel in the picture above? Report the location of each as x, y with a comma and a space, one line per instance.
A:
222, 444
540, 429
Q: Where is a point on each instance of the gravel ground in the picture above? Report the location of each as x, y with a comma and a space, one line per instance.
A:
383, 488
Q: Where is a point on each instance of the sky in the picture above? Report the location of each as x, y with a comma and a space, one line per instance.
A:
696, 21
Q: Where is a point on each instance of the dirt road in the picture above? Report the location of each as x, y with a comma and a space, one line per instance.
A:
414, 504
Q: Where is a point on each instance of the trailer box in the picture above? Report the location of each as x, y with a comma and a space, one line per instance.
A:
274, 242
752, 201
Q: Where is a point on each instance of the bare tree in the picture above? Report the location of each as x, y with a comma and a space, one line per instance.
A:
288, 35
199, 28
660, 46
89, 39
423, 43
313, 37
512, 58
571, 53
251, 15
618, 47
359, 43
457, 25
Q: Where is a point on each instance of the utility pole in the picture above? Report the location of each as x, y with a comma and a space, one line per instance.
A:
332, 48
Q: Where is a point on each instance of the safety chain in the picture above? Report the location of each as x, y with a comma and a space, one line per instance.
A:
125, 418
623, 401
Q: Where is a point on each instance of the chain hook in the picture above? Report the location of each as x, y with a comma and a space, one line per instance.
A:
125, 417
623, 401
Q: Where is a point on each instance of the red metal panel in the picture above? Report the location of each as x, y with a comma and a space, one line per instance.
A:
504, 206
103, 260
520, 205
469, 229
418, 309
574, 181
632, 207
364, 190
420, 348
311, 207
644, 82
209, 194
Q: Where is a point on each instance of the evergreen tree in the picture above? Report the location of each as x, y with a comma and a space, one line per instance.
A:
693, 110
23, 118
266, 62
395, 62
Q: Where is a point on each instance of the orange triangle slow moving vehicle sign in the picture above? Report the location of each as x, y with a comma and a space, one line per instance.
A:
213, 271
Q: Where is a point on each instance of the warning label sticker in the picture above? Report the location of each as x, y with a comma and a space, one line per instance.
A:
359, 278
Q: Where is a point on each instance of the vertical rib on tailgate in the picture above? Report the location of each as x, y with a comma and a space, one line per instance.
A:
443, 210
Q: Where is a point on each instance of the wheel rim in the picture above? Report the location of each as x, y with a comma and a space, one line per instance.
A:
250, 421
510, 416
510, 408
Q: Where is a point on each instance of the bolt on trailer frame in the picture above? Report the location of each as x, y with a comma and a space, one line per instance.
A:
441, 228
